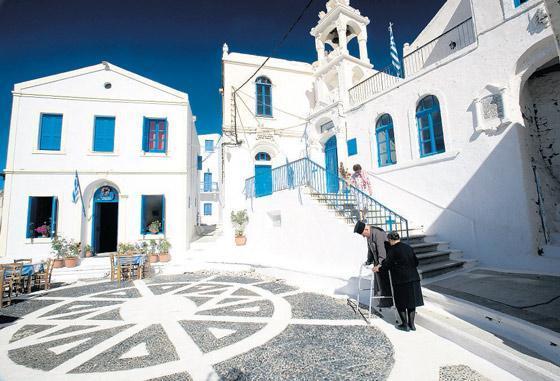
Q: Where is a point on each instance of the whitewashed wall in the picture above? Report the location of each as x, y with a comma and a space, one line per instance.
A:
211, 162
80, 95
479, 194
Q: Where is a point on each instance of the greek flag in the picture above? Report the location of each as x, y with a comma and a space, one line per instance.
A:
394, 53
76, 191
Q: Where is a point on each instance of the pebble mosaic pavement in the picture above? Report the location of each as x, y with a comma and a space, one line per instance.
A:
197, 326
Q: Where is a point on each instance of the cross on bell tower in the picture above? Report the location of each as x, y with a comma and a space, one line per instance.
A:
335, 66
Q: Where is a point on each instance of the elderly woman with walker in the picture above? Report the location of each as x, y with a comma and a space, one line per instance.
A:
402, 264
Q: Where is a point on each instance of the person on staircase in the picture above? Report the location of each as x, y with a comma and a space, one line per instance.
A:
377, 244
359, 180
402, 263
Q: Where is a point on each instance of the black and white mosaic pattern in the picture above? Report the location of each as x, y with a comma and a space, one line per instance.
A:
190, 327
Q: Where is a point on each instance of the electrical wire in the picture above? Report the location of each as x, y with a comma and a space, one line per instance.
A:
274, 49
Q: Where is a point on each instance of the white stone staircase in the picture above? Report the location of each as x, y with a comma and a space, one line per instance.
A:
435, 257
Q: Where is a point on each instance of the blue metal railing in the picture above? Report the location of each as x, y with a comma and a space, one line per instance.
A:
345, 199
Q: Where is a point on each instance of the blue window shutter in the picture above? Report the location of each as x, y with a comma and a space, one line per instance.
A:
54, 212
104, 134
199, 162
163, 213
145, 131
352, 147
142, 220
50, 132
207, 209
165, 135
209, 145
28, 232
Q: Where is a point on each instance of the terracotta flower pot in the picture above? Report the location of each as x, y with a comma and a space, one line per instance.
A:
89, 254
153, 258
165, 257
240, 241
58, 263
71, 261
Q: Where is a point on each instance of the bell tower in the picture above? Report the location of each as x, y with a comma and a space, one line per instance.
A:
336, 70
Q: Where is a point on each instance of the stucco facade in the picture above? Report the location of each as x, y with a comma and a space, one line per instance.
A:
129, 169
211, 197
479, 191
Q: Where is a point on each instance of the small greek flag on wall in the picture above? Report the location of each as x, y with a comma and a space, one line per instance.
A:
76, 191
395, 61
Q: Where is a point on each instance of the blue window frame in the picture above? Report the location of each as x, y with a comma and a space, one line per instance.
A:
207, 209
519, 2
385, 137
199, 163
152, 210
209, 145
50, 131
430, 128
264, 96
154, 137
208, 182
352, 147
262, 156
41, 217
104, 134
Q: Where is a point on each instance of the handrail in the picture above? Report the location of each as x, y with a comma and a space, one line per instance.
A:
345, 198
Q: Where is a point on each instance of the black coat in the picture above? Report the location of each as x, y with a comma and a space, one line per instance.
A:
402, 263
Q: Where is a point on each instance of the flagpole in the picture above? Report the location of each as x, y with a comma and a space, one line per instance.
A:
80, 190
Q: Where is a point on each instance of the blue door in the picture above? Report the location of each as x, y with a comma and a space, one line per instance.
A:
263, 180
208, 182
331, 165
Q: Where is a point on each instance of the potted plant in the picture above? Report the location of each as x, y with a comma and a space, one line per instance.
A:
72, 254
88, 251
125, 248
152, 251
240, 219
154, 227
59, 246
163, 249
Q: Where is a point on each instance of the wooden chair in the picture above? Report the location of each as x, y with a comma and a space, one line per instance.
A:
113, 267
5, 290
127, 268
43, 279
12, 272
27, 282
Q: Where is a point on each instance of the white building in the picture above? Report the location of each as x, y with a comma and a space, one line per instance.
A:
133, 143
210, 208
464, 145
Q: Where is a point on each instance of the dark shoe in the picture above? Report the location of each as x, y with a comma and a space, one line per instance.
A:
411, 316
402, 327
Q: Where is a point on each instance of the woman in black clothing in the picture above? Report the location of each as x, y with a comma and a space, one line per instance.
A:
402, 263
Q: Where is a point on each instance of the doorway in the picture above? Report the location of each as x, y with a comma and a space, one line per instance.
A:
331, 165
105, 220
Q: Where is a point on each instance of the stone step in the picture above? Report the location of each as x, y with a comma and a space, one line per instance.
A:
438, 268
433, 257
414, 238
426, 247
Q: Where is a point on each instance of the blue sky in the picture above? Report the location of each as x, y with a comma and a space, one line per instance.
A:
175, 42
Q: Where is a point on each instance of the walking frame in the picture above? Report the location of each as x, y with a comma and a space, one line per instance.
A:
371, 295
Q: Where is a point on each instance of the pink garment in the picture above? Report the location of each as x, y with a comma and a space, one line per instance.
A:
360, 181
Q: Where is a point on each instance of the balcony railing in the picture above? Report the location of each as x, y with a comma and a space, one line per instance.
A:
377, 83
452, 41
208, 187
341, 196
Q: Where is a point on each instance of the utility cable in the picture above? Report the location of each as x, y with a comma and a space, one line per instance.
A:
274, 49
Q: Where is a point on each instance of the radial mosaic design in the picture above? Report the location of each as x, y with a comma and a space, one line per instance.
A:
190, 327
